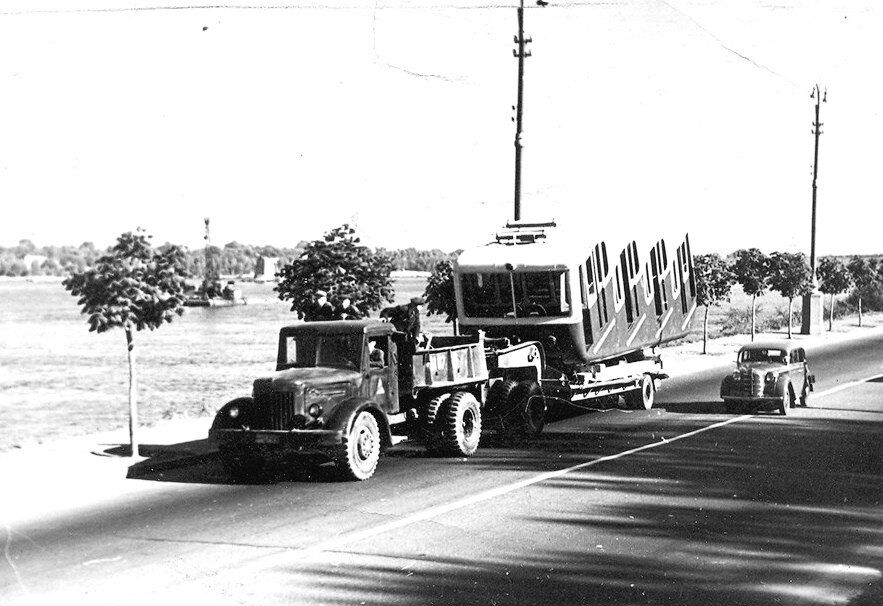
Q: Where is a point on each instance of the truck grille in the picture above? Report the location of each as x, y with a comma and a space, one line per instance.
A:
278, 410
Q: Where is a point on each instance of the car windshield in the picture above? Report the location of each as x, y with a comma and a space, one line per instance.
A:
522, 294
777, 356
342, 350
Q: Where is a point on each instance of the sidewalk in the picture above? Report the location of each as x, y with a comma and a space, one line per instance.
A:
76, 474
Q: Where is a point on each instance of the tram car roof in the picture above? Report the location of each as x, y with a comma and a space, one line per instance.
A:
547, 246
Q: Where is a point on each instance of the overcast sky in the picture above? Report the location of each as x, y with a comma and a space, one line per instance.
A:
279, 123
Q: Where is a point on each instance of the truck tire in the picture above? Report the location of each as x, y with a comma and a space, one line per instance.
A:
242, 464
358, 453
498, 397
460, 425
641, 398
528, 408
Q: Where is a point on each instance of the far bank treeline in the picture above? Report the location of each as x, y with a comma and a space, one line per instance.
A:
28, 259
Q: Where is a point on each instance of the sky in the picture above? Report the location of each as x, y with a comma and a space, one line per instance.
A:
280, 121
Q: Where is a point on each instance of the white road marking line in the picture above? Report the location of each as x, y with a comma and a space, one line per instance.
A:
432, 512
849, 385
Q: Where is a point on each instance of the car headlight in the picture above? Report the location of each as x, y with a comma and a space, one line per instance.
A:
770, 377
233, 412
315, 410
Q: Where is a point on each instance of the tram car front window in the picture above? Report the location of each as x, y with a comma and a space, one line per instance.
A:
516, 294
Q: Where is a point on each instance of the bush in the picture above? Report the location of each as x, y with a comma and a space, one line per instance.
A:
737, 321
872, 299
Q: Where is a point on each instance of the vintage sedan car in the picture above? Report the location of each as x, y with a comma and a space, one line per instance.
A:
770, 375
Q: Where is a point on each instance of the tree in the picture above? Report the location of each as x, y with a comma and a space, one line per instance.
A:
864, 279
791, 276
713, 283
132, 287
834, 279
752, 270
346, 270
439, 293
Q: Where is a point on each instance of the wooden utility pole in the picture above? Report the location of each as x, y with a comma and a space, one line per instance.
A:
812, 320
521, 53
817, 130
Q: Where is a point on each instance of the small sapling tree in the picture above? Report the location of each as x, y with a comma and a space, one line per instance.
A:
132, 287
439, 293
791, 276
714, 280
864, 279
354, 278
752, 270
834, 279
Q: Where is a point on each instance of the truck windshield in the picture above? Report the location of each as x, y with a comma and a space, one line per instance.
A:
336, 350
522, 294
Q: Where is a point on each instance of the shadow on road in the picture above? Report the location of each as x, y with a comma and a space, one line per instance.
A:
770, 511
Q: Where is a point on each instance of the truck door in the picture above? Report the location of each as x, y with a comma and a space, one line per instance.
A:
380, 382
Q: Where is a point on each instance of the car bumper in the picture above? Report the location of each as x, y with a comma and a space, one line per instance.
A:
294, 440
756, 399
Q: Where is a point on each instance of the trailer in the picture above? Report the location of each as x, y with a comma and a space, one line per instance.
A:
593, 321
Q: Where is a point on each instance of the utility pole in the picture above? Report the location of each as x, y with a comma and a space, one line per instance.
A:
521, 53
812, 321
817, 130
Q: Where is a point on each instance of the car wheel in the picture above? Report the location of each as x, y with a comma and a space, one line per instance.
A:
787, 400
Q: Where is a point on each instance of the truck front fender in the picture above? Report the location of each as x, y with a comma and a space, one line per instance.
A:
223, 420
345, 413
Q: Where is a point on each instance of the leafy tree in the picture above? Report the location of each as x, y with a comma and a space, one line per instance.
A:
864, 278
834, 278
752, 270
132, 287
439, 293
791, 276
346, 270
714, 280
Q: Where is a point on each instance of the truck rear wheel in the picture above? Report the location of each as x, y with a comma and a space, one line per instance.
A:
641, 398
528, 408
498, 396
460, 423
359, 452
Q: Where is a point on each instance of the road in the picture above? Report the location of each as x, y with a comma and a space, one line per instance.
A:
683, 504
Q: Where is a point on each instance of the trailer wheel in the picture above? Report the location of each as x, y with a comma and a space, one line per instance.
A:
460, 425
359, 452
641, 398
528, 408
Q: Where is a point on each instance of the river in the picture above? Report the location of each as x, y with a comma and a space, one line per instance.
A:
58, 379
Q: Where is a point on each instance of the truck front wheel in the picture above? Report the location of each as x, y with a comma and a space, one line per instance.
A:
641, 398
460, 424
359, 452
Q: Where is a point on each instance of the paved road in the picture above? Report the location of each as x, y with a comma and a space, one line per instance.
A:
682, 504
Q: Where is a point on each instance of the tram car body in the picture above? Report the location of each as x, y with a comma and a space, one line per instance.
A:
586, 300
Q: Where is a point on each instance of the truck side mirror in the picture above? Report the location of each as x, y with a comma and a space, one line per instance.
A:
811, 378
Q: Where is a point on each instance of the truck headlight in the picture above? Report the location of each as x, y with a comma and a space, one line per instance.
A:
233, 412
770, 377
315, 410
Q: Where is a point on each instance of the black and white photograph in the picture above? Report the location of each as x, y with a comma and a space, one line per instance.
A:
441, 302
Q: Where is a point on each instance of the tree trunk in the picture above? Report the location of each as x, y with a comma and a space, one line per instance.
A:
133, 395
831, 315
859, 312
753, 307
705, 332
790, 316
